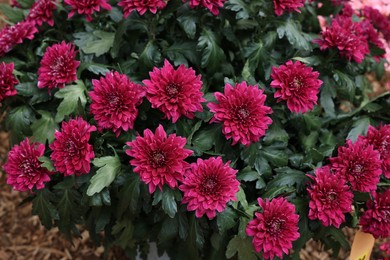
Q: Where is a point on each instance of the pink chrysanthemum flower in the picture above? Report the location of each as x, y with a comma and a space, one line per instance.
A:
242, 112
23, 167
275, 228
297, 84
16, 34
72, 153
158, 158
376, 219
42, 12
347, 36
359, 164
330, 198
212, 5
281, 6
7, 81
208, 185
175, 92
378, 20
380, 139
141, 6
114, 102
87, 7
58, 66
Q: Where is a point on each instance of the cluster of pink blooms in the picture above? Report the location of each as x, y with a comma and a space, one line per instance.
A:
7, 81
282, 6
357, 167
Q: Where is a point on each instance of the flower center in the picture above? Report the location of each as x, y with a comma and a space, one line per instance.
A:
242, 113
332, 195
71, 148
114, 101
27, 167
275, 225
172, 89
296, 83
158, 159
358, 169
209, 185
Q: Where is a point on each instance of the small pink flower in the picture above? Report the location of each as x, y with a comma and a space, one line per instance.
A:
275, 228
58, 66
175, 92
42, 12
330, 198
242, 112
23, 167
114, 102
281, 6
141, 6
212, 5
72, 153
87, 7
359, 164
297, 84
208, 185
7, 81
16, 34
376, 219
158, 158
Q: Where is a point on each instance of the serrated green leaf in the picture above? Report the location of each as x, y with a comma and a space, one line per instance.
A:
129, 195
44, 208
123, 231
109, 168
242, 198
169, 230
68, 212
150, 56
288, 177
196, 235
292, 30
226, 220
182, 53
18, 121
276, 157
188, 23
169, 204
46, 163
13, 14
97, 42
240, 7
44, 128
359, 127
30, 89
275, 134
326, 98
276, 191
243, 247
204, 138
71, 95
212, 54
98, 69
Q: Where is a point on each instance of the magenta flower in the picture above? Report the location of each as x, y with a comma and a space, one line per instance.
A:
297, 84
7, 81
175, 92
359, 164
114, 102
346, 36
275, 228
72, 153
23, 167
58, 66
158, 158
42, 12
16, 34
281, 6
208, 185
376, 219
212, 5
242, 112
141, 6
87, 7
380, 139
330, 198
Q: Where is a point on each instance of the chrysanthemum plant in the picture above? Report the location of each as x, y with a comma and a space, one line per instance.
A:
213, 128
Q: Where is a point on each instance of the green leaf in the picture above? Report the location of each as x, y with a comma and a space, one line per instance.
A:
276, 157
242, 198
71, 95
46, 163
288, 177
109, 168
204, 138
30, 89
359, 127
275, 134
98, 69
188, 23
212, 54
344, 80
169, 229
240, 7
123, 231
326, 98
247, 174
44, 128
241, 246
276, 191
292, 30
13, 14
97, 42
18, 121
150, 56
169, 204
254, 52
129, 194
182, 53
226, 220
196, 235
44, 208
339, 236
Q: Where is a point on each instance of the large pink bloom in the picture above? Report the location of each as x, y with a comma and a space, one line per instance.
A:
23, 167
114, 102
359, 164
42, 12
7, 81
87, 7
175, 92
281, 6
158, 158
275, 228
330, 198
346, 36
212, 5
380, 139
208, 185
72, 153
58, 66
297, 84
16, 34
141, 6
376, 219
242, 112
